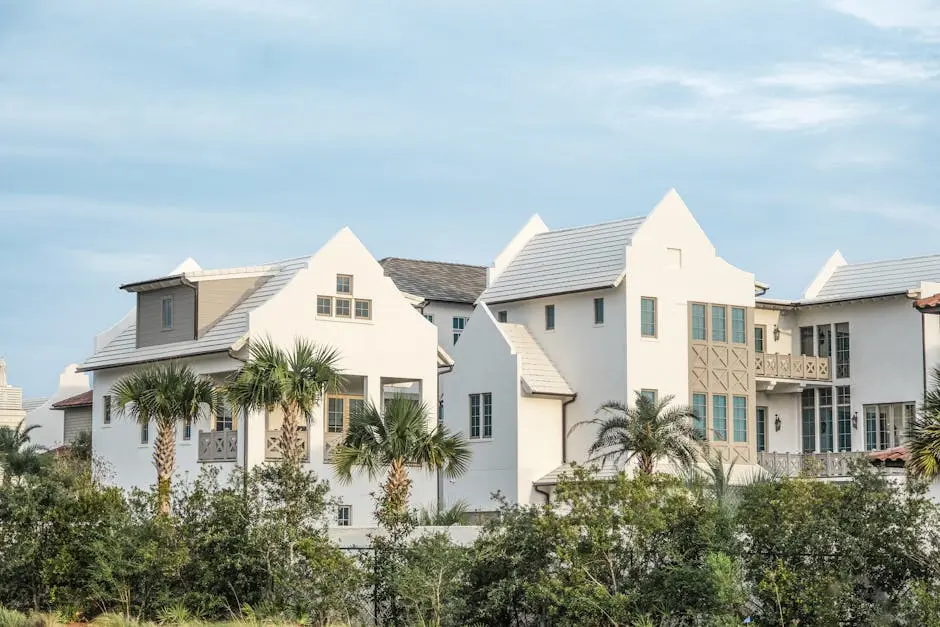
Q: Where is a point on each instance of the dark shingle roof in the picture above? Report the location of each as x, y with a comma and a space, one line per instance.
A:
79, 400
436, 280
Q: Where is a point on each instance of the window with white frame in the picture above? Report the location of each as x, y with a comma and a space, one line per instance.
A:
719, 323
806, 341
481, 416
458, 325
886, 424
187, 429
649, 395
343, 308
826, 434
363, 309
224, 420
808, 415
145, 433
761, 429
844, 416
324, 306
699, 323
842, 350
167, 304
648, 316
344, 284
344, 516
340, 408
738, 325
699, 411
720, 417
739, 416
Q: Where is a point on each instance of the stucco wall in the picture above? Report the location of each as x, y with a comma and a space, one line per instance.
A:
484, 363
444, 313
540, 434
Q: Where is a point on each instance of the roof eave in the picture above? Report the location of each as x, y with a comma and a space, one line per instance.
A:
139, 362
150, 285
497, 301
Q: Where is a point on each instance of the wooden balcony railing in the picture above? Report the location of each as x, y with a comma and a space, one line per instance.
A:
272, 449
823, 465
777, 366
218, 446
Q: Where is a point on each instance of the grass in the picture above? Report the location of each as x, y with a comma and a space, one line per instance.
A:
175, 615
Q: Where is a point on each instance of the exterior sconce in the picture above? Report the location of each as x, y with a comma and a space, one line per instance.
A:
776, 422
776, 337
855, 420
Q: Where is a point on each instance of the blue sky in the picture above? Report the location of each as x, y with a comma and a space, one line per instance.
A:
136, 134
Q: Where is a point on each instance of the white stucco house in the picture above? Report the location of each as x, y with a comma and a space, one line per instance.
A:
55, 426
339, 297
574, 317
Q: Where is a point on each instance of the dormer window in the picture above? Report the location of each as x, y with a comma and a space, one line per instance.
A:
344, 283
168, 313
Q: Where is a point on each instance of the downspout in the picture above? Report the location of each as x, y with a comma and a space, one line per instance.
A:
440, 422
564, 428
547, 495
923, 348
232, 354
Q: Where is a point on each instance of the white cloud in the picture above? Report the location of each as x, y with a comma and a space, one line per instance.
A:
787, 114
840, 69
117, 263
920, 16
921, 215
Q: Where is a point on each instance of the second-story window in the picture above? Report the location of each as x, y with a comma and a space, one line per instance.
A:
324, 306
343, 308
738, 325
719, 324
598, 311
106, 416
344, 516
187, 429
168, 313
698, 322
145, 433
759, 339
224, 421
429, 318
363, 309
344, 283
458, 325
549, 317
806, 341
481, 416
648, 316
502, 316
720, 417
699, 410
842, 350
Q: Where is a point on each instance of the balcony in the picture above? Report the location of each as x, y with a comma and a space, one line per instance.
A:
820, 465
218, 446
798, 367
272, 450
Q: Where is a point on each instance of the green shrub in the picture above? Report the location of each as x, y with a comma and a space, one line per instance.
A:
12, 618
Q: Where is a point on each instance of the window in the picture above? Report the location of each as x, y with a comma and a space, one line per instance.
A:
324, 306
826, 436
502, 316
738, 325
168, 313
649, 395
759, 339
842, 350
429, 318
224, 420
761, 429
474, 416
598, 311
549, 317
739, 409
343, 307
363, 309
458, 327
344, 516
344, 284
335, 411
808, 404
699, 409
698, 321
187, 429
806, 341
487, 415
106, 401
844, 414
871, 432
824, 337
145, 433
648, 316
719, 324
720, 417
886, 425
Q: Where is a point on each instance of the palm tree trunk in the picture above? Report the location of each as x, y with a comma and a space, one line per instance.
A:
289, 443
645, 463
397, 487
164, 458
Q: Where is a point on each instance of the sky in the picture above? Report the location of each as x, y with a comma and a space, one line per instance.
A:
136, 134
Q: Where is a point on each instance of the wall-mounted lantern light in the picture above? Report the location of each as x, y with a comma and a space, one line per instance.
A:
776, 333
777, 422
855, 420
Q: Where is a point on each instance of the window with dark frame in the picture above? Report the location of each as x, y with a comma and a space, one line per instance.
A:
699, 324
187, 429
739, 416
806, 341
502, 316
324, 306
761, 429
738, 325
720, 417
106, 401
475, 407
344, 283
458, 325
598, 311
167, 304
145, 433
759, 339
343, 308
549, 317
719, 324
363, 309
699, 412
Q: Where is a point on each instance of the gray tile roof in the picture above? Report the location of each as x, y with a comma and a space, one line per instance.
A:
879, 278
436, 280
566, 260
123, 350
539, 375
29, 404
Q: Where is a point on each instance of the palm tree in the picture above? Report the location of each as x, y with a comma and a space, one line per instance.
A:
648, 431
292, 381
18, 457
395, 438
167, 395
923, 435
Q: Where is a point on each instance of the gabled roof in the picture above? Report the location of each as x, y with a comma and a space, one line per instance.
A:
436, 280
567, 260
29, 404
79, 400
539, 375
879, 278
224, 334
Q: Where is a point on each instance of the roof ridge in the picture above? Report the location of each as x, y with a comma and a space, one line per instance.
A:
440, 263
587, 226
896, 259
